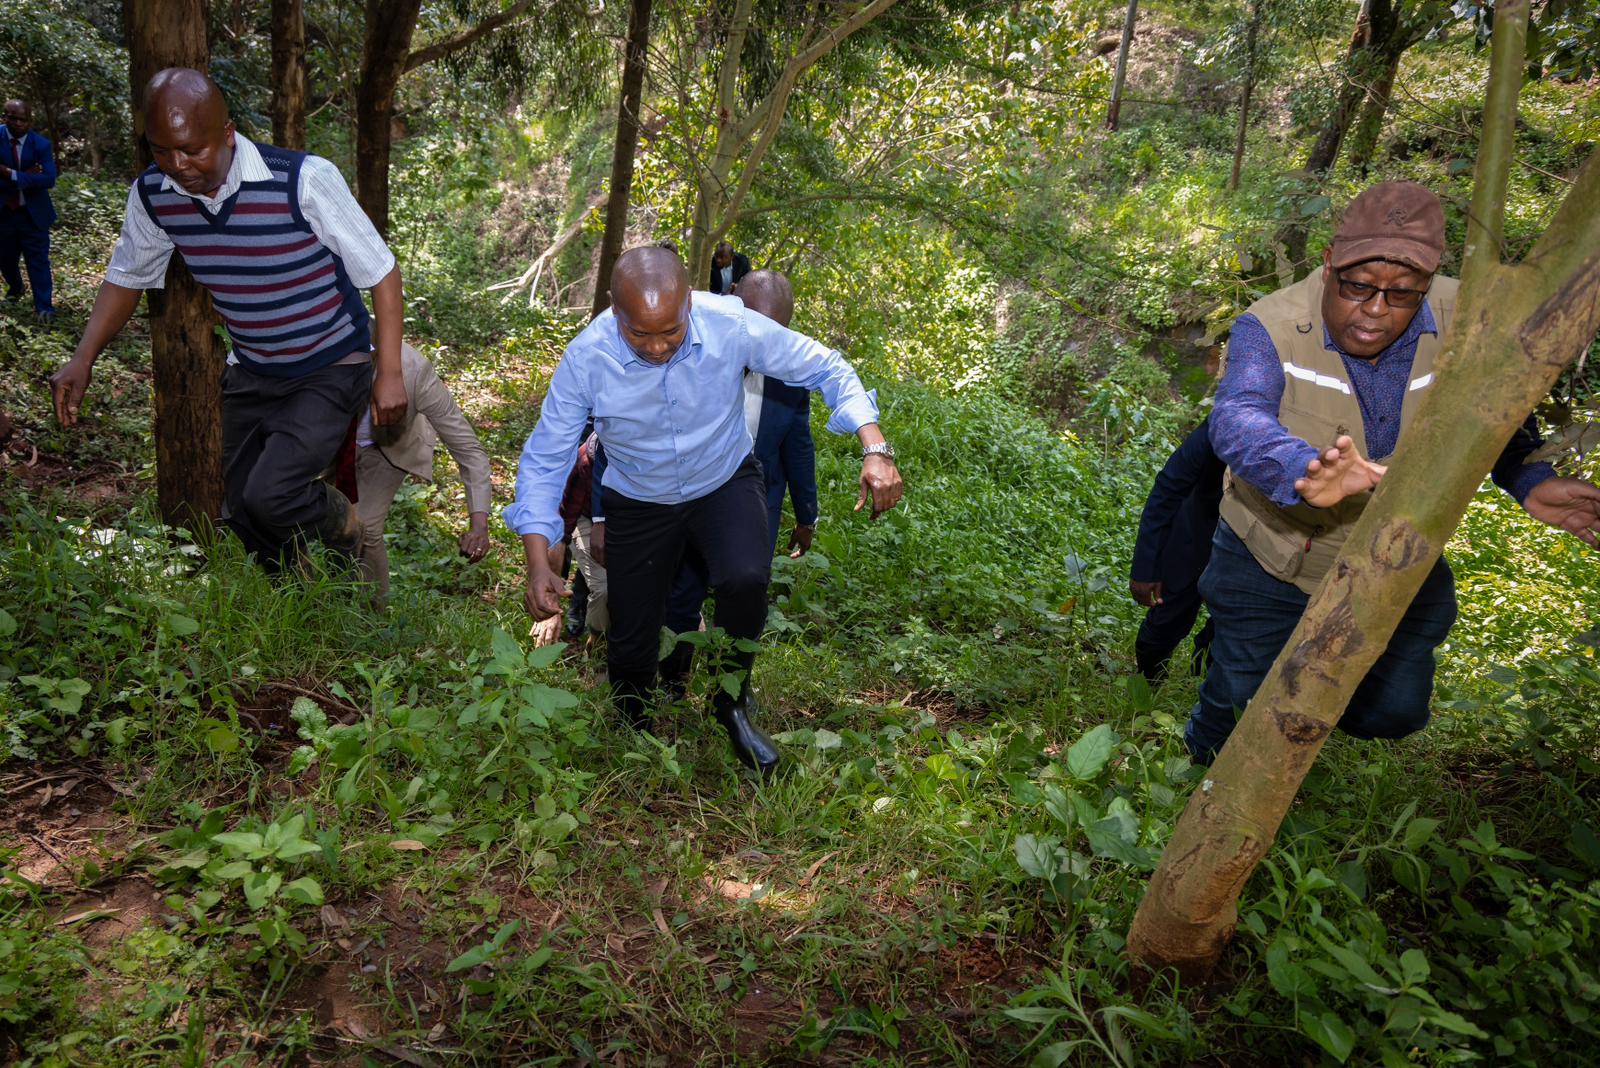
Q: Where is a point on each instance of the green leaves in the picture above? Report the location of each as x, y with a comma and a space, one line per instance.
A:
1037, 855
1090, 754
484, 951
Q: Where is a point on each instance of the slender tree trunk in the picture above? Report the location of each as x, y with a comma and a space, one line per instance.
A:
1251, 34
1368, 128
633, 67
390, 24
1114, 114
289, 74
1515, 330
186, 357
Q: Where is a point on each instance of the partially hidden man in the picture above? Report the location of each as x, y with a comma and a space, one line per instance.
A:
285, 251
1322, 378
662, 375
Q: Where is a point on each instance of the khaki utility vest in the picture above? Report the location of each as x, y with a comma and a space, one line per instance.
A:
1299, 544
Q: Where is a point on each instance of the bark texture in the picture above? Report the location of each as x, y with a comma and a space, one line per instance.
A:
1114, 112
289, 74
390, 24
1516, 328
627, 144
185, 354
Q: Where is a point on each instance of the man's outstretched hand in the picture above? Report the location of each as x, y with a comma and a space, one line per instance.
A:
1568, 504
1338, 473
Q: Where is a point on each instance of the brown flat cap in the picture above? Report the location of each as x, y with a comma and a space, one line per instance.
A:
1399, 221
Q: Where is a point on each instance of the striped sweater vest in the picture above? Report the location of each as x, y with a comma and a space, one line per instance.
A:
284, 296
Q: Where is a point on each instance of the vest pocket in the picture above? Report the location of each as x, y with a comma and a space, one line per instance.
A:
1279, 550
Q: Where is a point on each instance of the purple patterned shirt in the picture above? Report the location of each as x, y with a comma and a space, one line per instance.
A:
1246, 433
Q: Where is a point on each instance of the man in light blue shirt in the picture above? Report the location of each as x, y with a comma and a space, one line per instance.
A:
662, 376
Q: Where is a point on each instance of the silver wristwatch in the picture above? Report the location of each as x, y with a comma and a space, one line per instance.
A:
882, 448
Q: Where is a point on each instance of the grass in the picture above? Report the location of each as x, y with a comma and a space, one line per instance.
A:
250, 822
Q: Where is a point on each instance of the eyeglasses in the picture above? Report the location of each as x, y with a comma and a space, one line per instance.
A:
1361, 292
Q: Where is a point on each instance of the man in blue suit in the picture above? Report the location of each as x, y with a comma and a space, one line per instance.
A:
1172, 549
27, 171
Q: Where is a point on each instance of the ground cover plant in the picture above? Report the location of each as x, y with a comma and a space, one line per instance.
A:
250, 821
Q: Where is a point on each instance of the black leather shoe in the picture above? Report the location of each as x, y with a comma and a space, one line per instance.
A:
750, 743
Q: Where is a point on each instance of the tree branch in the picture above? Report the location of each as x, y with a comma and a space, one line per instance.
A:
1486, 218
451, 45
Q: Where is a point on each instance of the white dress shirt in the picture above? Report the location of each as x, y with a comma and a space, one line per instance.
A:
140, 259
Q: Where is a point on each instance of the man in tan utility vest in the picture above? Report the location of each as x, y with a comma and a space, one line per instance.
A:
1322, 377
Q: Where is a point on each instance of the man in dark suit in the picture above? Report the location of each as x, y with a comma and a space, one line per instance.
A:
1172, 549
27, 171
727, 267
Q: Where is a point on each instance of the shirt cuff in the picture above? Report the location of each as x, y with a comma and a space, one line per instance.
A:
855, 413
1527, 477
366, 282
521, 519
130, 281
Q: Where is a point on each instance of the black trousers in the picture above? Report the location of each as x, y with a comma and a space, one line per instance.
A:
645, 544
1164, 628
278, 436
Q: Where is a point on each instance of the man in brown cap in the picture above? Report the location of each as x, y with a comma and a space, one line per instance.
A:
1322, 378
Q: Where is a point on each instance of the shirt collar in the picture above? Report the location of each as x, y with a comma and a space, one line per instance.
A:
1421, 323
247, 166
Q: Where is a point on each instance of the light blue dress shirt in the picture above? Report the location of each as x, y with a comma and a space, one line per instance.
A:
672, 432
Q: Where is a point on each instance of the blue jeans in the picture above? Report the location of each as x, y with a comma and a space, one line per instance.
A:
1255, 614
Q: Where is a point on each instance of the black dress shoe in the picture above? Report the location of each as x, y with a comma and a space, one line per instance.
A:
750, 743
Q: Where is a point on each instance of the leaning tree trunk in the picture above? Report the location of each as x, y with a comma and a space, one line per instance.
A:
1252, 32
1364, 136
289, 74
627, 144
185, 356
390, 24
1516, 328
1114, 112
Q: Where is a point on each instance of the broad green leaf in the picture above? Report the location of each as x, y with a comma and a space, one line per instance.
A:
1329, 1032
1313, 206
297, 848
1419, 831
545, 655
8, 624
1037, 855
1414, 967
1585, 845
222, 740
305, 890
1089, 754
182, 626
826, 739
260, 887
245, 841
238, 869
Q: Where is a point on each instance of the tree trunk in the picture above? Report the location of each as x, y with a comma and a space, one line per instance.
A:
1364, 138
633, 67
1515, 330
712, 191
1114, 114
1251, 34
289, 74
390, 24
185, 355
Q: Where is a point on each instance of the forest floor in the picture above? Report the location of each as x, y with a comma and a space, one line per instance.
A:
253, 822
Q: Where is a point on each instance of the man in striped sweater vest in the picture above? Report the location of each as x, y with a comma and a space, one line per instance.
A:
284, 250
